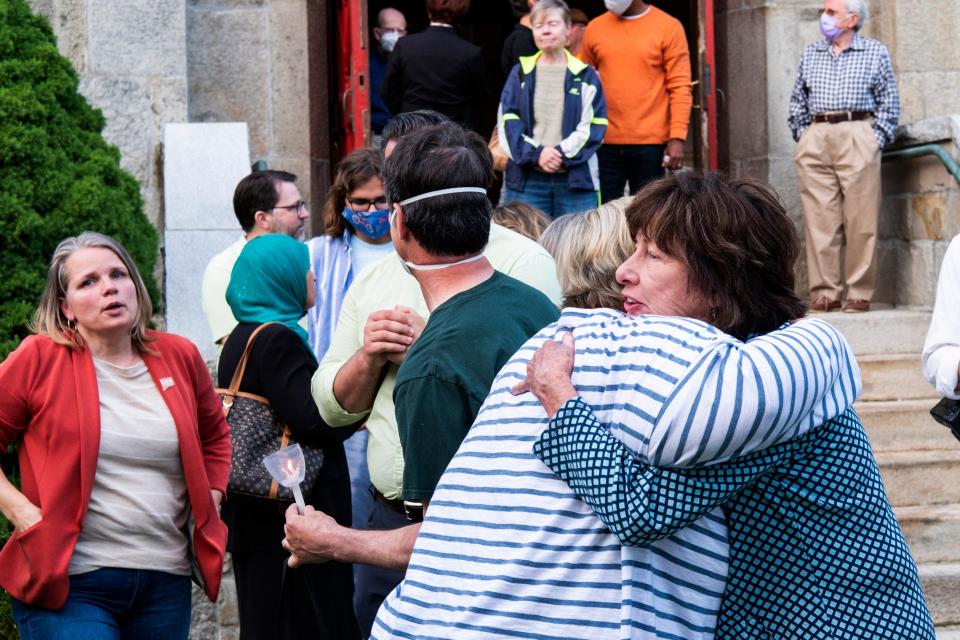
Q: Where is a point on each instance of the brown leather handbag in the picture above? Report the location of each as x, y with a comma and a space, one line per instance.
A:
256, 432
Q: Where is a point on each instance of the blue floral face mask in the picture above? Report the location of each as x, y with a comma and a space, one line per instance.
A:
373, 224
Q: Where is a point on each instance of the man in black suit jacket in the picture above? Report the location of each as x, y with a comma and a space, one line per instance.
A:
437, 69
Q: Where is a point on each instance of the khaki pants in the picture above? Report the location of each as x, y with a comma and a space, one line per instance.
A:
838, 167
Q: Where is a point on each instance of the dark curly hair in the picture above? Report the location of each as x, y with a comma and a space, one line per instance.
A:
353, 172
736, 240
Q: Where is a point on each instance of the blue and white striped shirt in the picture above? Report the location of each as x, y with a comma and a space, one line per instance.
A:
508, 551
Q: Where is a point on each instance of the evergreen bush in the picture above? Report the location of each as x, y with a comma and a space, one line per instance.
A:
58, 177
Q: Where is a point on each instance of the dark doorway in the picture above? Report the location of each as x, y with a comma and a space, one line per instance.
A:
489, 22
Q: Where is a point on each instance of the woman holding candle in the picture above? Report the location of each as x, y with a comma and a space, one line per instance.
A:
121, 442
272, 282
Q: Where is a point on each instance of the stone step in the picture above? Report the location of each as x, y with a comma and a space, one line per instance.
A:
948, 633
932, 532
893, 377
885, 331
914, 478
904, 425
941, 584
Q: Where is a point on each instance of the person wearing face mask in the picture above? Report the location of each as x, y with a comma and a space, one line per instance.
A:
357, 233
391, 26
642, 57
381, 317
843, 110
478, 318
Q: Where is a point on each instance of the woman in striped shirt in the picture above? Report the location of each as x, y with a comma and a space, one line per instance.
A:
815, 550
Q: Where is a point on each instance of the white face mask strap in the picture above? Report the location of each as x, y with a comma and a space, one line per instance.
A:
445, 265
442, 192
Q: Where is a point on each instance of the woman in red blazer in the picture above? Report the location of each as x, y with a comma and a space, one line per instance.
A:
124, 457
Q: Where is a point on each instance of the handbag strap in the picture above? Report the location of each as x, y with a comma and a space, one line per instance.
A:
233, 390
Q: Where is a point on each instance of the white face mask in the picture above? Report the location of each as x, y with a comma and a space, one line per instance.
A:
617, 6
410, 266
388, 40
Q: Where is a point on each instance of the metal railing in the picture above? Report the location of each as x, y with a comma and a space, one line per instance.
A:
927, 150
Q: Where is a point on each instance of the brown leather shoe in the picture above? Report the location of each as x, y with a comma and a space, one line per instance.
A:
856, 306
823, 304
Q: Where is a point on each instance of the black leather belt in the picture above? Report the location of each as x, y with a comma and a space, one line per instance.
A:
843, 116
412, 509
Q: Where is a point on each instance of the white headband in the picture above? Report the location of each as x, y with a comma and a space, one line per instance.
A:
443, 192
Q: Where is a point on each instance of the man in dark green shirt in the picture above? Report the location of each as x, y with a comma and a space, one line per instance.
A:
440, 222
448, 371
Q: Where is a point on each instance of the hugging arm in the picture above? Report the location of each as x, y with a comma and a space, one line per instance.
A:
637, 502
732, 419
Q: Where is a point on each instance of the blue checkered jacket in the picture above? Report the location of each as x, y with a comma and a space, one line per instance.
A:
815, 550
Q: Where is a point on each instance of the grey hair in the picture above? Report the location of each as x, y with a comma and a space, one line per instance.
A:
49, 319
861, 8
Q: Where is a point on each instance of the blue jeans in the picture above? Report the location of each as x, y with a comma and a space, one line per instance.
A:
374, 584
361, 500
636, 164
549, 193
113, 604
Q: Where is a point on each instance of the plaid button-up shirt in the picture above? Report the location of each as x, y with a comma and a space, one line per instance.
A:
859, 79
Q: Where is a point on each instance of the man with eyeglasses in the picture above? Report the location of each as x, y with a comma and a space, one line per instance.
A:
264, 202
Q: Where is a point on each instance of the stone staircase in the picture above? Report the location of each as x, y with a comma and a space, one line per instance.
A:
919, 459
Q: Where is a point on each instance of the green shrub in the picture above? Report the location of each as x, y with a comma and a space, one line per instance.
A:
58, 176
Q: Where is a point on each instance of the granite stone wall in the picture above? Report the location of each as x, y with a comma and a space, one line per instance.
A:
132, 60
247, 62
759, 44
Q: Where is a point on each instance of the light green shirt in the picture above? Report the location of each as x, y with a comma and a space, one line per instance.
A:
213, 290
383, 285
213, 293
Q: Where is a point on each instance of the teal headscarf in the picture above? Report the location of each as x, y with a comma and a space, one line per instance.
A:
269, 282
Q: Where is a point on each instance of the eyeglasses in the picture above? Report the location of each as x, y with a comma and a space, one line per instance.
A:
296, 207
360, 204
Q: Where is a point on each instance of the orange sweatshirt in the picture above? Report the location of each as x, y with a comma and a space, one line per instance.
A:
644, 65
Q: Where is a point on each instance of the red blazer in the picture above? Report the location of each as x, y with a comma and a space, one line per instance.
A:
49, 404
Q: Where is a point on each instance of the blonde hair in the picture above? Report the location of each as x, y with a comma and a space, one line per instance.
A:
588, 248
543, 6
521, 217
49, 320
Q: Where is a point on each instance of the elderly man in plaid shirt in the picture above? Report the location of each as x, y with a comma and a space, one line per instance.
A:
843, 110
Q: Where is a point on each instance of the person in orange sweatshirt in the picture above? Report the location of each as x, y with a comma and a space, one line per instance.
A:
643, 60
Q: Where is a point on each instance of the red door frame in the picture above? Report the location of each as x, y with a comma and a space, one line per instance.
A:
710, 86
353, 74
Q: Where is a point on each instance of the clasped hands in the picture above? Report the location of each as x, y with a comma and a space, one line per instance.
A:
388, 334
551, 160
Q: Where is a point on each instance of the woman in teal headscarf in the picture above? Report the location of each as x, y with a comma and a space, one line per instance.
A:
271, 282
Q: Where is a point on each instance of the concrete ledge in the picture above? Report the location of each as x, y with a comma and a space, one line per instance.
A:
932, 532
904, 425
915, 478
941, 583
882, 332
894, 377
927, 131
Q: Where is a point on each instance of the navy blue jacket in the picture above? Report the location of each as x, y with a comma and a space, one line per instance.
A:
584, 123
